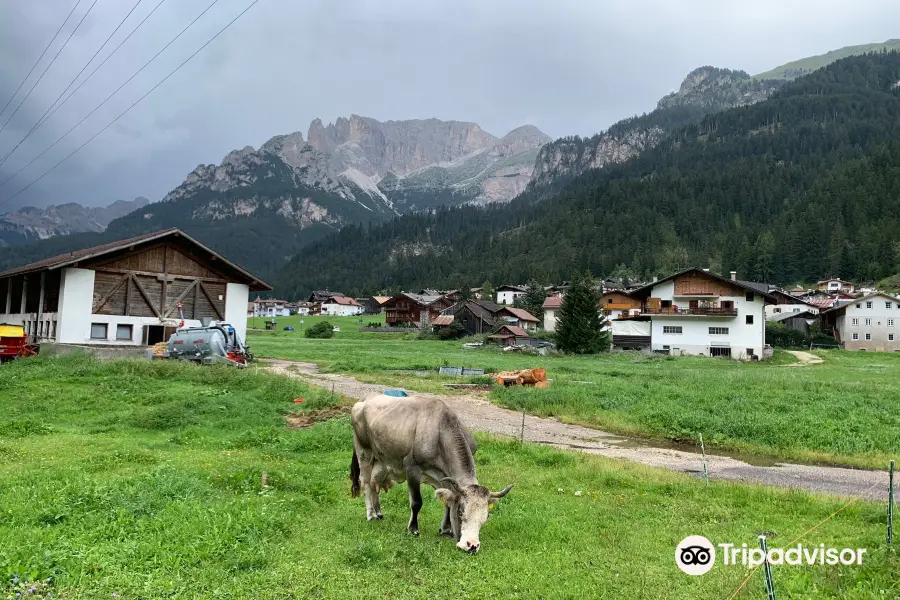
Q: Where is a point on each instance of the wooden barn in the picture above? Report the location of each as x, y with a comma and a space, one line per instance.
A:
127, 292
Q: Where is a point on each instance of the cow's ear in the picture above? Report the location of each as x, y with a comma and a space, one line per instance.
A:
444, 495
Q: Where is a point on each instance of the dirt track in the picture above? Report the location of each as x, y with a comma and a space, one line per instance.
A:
481, 415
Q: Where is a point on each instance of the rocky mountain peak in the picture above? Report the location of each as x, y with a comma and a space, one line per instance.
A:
712, 89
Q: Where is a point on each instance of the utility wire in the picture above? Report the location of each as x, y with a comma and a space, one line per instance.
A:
68, 87
108, 98
34, 66
97, 68
47, 68
123, 113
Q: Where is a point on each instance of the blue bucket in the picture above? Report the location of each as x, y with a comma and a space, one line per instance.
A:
396, 393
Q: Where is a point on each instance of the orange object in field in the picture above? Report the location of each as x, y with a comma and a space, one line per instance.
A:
12, 343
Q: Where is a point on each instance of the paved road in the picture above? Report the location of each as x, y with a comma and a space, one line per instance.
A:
481, 415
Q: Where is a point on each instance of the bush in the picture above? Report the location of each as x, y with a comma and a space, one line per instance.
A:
780, 336
454, 332
322, 330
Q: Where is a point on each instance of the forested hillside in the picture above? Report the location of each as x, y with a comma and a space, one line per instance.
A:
801, 185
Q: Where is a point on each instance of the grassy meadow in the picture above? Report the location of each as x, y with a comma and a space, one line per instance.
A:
138, 479
844, 411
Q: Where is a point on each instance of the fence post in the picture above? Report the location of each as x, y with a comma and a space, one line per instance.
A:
890, 515
703, 453
770, 585
522, 432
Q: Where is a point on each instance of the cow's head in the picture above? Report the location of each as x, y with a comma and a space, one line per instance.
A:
469, 506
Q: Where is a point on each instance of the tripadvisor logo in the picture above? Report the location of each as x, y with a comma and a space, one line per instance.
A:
696, 555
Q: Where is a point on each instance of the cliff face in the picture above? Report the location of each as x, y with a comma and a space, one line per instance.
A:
703, 91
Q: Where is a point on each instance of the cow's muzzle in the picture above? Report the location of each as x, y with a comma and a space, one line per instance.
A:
470, 546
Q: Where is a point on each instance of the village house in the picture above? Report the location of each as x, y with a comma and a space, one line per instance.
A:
615, 304
835, 285
700, 313
786, 302
477, 317
270, 308
868, 323
375, 305
507, 294
551, 312
341, 306
319, 296
518, 317
510, 335
132, 292
800, 320
414, 310
303, 308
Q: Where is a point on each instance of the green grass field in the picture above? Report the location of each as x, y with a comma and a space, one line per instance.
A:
143, 480
844, 411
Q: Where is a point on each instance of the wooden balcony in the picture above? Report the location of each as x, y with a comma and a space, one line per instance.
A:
698, 311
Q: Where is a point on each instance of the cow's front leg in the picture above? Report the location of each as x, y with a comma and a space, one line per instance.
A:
415, 504
446, 527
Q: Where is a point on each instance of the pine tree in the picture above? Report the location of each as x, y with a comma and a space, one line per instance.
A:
487, 291
532, 300
580, 326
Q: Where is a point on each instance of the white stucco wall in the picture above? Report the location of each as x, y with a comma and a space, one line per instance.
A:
76, 298
777, 309
341, 310
878, 321
549, 319
695, 337
508, 297
237, 295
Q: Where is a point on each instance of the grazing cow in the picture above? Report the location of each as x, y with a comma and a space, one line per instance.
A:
420, 440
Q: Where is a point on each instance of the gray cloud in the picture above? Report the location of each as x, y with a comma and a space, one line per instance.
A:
566, 66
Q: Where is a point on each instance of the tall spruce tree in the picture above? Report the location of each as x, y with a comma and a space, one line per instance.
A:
580, 326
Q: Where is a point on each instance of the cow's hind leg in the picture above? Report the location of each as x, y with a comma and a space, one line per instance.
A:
369, 490
415, 498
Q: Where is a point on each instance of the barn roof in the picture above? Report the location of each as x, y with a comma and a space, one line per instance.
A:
70, 258
521, 314
750, 286
553, 302
443, 321
343, 300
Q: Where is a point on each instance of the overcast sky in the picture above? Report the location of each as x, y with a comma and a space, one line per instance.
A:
566, 66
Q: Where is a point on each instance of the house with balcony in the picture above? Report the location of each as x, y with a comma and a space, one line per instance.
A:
696, 312
833, 286
617, 304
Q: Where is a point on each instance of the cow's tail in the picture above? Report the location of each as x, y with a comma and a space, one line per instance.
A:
354, 475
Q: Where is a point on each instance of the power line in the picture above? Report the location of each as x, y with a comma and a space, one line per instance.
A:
108, 98
34, 66
74, 79
47, 68
138, 101
97, 68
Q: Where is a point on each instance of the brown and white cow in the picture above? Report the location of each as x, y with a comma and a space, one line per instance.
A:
420, 440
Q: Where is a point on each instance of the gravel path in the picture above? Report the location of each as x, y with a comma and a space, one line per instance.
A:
804, 359
481, 415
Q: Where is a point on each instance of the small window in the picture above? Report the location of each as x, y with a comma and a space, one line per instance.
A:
748, 297
671, 328
666, 304
868, 305
868, 336
718, 331
855, 336
859, 306
796, 310
665, 347
749, 319
856, 321
777, 310
98, 331
124, 332
749, 351
890, 322
868, 322
888, 306
890, 337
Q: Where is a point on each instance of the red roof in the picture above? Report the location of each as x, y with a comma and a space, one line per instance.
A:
443, 320
342, 300
553, 302
522, 314
510, 331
